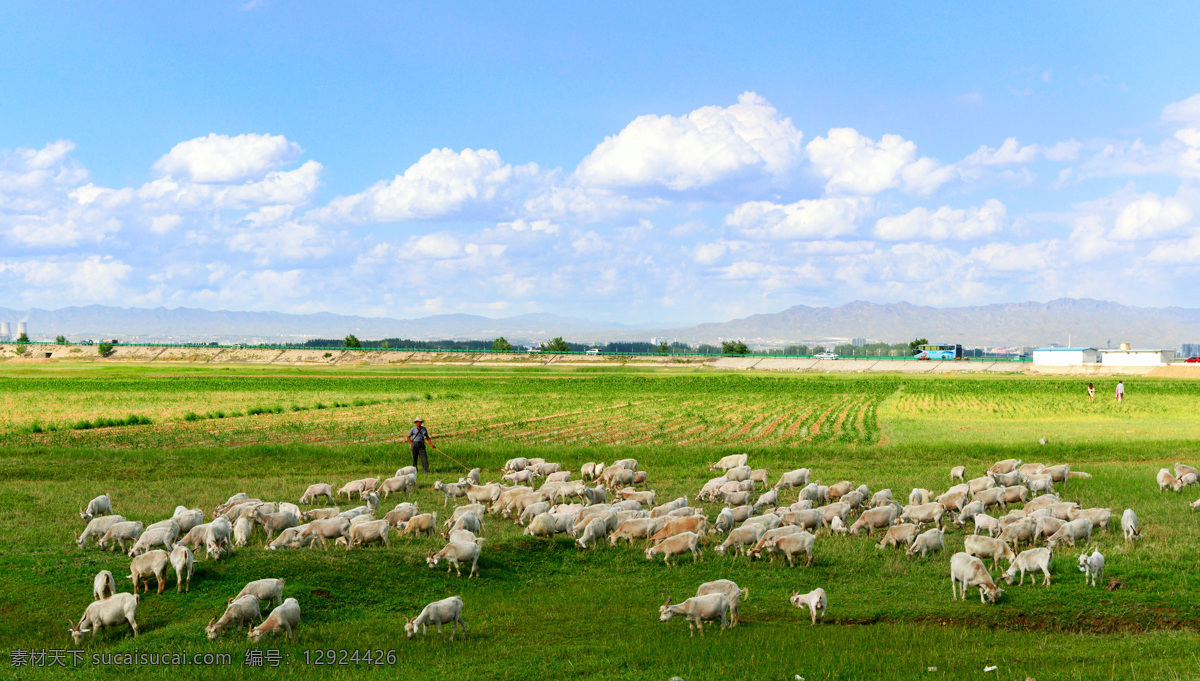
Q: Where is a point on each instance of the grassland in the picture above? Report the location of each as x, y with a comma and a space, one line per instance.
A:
543, 610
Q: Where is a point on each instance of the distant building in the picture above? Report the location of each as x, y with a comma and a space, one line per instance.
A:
1191, 349
1065, 357
858, 342
1126, 356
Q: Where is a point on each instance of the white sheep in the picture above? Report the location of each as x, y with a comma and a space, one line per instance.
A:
1029, 561
243, 609
152, 563
97, 527
1165, 480
101, 505
268, 590
928, 542
243, 530
120, 532
319, 489
445, 611
969, 571
731, 590
678, 544
285, 618
109, 612
163, 535
814, 600
184, 564
792, 545
103, 585
697, 610
1091, 566
728, 462
456, 553
1129, 525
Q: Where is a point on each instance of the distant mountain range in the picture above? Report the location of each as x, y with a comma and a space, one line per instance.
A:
1083, 322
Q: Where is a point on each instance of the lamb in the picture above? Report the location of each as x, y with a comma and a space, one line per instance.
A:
184, 564
109, 612
930, 541
119, 533
904, 533
697, 610
1129, 524
217, 538
243, 609
793, 479
329, 528
814, 600
267, 591
103, 585
1091, 566
987, 547
456, 553
319, 489
884, 516
1005, 466
730, 590
243, 529
1165, 480
98, 527
101, 505
686, 542
593, 534
957, 473
637, 528
741, 538
1072, 532
1030, 560
793, 545
969, 571
285, 618
152, 563
728, 462
163, 535
358, 487
369, 533
445, 611
837, 526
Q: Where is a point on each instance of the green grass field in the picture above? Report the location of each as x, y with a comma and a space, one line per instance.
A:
542, 609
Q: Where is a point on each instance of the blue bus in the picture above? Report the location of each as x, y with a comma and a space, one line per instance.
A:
939, 352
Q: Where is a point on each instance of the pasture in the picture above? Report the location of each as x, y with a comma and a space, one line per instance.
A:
541, 609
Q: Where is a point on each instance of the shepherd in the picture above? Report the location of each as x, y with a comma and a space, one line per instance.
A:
417, 436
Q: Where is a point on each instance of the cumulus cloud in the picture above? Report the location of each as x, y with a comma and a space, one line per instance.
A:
1186, 111
709, 145
1010, 257
222, 159
806, 219
1008, 153
92, 279
852, 163
921, 224
442, 183
1149, 217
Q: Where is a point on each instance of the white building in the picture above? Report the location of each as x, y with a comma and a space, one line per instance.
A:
1126, 356
1065, 357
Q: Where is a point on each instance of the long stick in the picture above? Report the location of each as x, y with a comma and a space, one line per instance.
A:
435, 448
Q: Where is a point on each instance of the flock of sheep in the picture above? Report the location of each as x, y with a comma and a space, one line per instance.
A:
754, 524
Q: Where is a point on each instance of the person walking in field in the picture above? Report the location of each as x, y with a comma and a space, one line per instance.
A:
1091, 393
1120, 392
417, 436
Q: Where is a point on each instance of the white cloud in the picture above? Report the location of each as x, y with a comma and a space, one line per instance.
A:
852, 163
534, 226
92, 279
707, 254
1008, 153
288, 241
1149, 217
806, 219
221, 159
921, 224
1176, 252
443, 182
709, 145
1009, 257
1187, 111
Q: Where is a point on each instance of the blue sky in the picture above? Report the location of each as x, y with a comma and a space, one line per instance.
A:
644, 163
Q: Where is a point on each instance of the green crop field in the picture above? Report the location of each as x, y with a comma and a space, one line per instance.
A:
541, 609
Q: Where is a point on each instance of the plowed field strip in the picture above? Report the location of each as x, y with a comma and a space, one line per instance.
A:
773, 426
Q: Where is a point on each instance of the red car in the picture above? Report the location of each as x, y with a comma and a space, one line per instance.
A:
1193, 360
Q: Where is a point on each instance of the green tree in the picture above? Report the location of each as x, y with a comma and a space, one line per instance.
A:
556, 344
104, 348
734, 348
501, 345
23, 338
913, 345
351, 341
385, 345
663, 348
60, 339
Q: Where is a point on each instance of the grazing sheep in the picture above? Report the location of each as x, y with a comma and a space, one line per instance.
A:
243, 530
986, 523
98, 527
456, 553
218, 538
1129, 524
674, 526
1022, 530
101, 505
842, 488
951, 501
321, 513
445, 611
792, 545
993, 496
1091, 566
516, 477
968, 571
928, 542
109, 612
687, 542
152, 563
1005, 466
1072, 532
1040, 483
792, 479
697, 610
242, 609
1046, 527
904, 533
731, 591
975, 485
919, 496
400, 483
591, 470
768, 498
1099, 517
925, 513
968, 513
329, 528
275, 522
987, 547
884, 516
119, 533
369, 533
728, 462
880, 498
837, 525
635, 528
162, 535
103, 585
1165, 480
1063, 509
957, 473
1007, 479
315, 490
184, 564
1060, 473
231, 502
558, 476
267, 591
593, 534
1188, 479
285, 618
292, 537
1030, 560
519, 463
814, 600
187, 518
742, 538
358, 487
